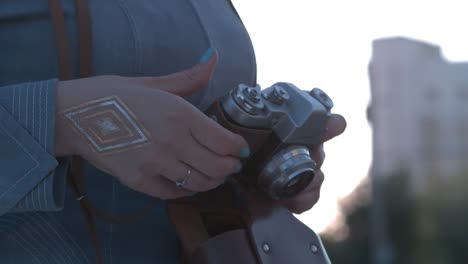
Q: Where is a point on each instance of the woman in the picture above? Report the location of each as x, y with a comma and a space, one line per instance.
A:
140, 138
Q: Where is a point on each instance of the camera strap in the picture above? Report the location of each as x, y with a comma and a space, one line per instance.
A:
76, 173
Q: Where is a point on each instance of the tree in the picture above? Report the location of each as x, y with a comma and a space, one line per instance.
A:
426, 227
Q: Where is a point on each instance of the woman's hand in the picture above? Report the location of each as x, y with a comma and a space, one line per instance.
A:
142, 132
309, 196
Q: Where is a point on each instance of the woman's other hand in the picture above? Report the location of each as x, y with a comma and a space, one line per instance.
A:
309, 196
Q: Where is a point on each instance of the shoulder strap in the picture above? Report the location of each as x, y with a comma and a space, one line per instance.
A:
76, 175
65, 71
63, 46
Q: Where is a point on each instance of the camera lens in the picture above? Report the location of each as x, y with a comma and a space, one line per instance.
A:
298, 182
287, 173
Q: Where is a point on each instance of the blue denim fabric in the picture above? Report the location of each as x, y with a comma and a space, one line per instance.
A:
27, 163
40, 219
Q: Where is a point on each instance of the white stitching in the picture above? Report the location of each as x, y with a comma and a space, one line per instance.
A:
73, 249
43, 240
29, 171
28, 230
25, 240
65, 244
26, 105
23, 246
25, 249
19, 205
33, 111
35, 203
47, 116
37, 190
19, 105
13, 100
40, 114
44, 193
71, 239
31, 197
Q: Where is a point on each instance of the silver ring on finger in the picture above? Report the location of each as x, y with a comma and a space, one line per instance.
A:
181, 184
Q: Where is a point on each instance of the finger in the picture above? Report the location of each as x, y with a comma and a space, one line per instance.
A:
194, 179
216, 138
314, 185
156, 186
336, 125
304, 202
168, 189
188, 81
318, 155
215, 166
175, 171
308, 197
317, 182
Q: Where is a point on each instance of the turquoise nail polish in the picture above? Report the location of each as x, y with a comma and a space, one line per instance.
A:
245, 153
207, 55
239, 168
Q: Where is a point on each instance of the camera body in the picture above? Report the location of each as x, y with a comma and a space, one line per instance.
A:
280, 123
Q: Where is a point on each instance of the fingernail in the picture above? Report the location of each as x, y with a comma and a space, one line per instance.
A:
207, 55
239, 168
245, 153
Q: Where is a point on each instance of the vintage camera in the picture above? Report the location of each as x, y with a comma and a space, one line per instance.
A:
280, 123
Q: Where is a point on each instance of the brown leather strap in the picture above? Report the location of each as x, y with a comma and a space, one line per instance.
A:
66, 73
74, 177
85, 45
231, 247
265, 232
85, 70
208, 215
188, 224
63, 46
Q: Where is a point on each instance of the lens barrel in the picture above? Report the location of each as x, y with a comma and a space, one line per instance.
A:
287, 173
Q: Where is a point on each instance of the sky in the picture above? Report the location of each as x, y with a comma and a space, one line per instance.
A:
328, 44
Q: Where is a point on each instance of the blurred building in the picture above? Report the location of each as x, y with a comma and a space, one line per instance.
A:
418, 110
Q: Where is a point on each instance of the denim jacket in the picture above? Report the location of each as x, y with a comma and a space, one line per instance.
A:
40, 219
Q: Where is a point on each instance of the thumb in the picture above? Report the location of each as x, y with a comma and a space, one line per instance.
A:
336, 125
190, 80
